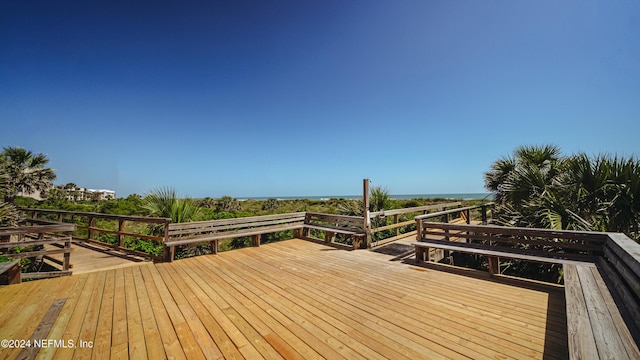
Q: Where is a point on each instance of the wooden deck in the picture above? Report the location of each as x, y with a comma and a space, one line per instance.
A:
292, 299
90, 257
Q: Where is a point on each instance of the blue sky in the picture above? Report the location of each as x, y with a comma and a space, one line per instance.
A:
287, 98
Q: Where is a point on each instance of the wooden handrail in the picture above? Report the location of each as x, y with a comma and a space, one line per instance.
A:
39, 233
158, 220
93, 230
452, 211
413, 209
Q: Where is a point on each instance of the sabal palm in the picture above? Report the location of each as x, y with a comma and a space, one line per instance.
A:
540, 188
164, 202
9, 215
26, 172
527, 189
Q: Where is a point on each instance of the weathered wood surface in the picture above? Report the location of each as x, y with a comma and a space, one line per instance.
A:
538, 242
621, 267
93, 231
596, 329
521, 254
177, 228
156, 220
31, 239
589, 237
603, 312
414, 209
291, 299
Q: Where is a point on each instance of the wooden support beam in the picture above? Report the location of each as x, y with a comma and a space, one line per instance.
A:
91, 223
494, 265
483, 210
214, 246
365, 213
66, 258
13, 274
395, 221
120, 231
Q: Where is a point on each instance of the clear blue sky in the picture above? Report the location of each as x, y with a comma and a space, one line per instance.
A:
286, 98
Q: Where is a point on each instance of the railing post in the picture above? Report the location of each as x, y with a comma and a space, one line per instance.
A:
395, 222
365, 213
120, 231
90, 223
484, 214
66, 262
418, 229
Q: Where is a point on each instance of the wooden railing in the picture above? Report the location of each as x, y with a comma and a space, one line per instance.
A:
313, 226
112, 231
213, 231
576, 245
601, 274
35, 238
330, 227
443, 211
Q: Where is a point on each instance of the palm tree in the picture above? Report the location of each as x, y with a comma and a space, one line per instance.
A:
539, 187
26, 172
9, 215
164, 202
228, 204
528, 190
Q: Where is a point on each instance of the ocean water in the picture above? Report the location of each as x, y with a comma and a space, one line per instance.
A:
460, 196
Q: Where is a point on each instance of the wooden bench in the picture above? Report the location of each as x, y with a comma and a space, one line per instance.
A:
216, 230
334, 224
620, 266
602, 283
493, 253
10, 272
595, 325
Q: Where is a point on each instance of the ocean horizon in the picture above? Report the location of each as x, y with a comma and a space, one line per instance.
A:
452, 196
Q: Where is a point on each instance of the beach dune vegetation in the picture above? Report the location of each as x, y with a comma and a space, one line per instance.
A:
540, 187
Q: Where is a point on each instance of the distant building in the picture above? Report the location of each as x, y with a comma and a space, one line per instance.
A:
75, 193
103, 194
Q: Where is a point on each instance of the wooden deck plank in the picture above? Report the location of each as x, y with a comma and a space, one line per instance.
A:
295, 300
408, 312
401, 311
137, 342
152, 338
608, 341
119, 329
64, 318
291, 299
624, 335
389, 277
187, 340
90, 322
251, 327
442, 298
74, 327
201, 336
202, 304
170, 341
382, 344
204, 278
102, 341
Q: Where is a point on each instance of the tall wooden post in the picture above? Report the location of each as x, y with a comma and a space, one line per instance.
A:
120, 231
367, 221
